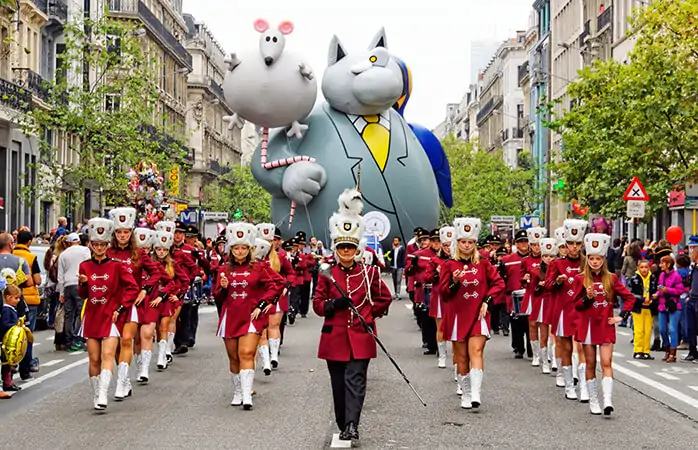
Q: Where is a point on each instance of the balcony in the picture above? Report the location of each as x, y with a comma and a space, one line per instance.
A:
168, 143
604, 20
58, 10
41, 4
219, 168
487, 108
31, 81
217, 89
15, 96
585, 33
523, 73
512, 133
137, 9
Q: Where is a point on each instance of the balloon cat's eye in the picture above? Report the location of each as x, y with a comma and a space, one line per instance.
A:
275, 40
380, 57
268, 39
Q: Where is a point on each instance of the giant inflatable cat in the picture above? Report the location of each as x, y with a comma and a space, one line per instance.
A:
357, 138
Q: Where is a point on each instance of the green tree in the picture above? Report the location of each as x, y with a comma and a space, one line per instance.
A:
106, 119
484, 186
238, 189
638, 119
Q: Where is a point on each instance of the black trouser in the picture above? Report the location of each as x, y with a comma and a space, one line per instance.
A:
503, 318
348, 381
186, 327
315, 274
295, 299
282, 328
520, 341
494, 317
305, 298
73, 309
429, 331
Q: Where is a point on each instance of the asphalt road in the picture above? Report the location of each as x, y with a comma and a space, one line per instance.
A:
188, 406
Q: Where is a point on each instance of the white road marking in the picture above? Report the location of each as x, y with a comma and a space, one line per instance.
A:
408, 306
623, 333
337, 443
667, 376
618, 355
695, 388
79, 352
657, 385
36, 344
49, 338
638, 364
52, 362
207, 310
54, 374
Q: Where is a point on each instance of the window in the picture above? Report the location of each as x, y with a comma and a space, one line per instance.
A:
112, 102
114, 47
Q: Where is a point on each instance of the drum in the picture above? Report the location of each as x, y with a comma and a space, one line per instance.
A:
517, 299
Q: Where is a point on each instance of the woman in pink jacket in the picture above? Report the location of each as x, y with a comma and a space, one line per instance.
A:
669, 292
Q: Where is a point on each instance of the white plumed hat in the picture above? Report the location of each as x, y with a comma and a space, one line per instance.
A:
163, 239
240, 233
447, 234
596, 244
560, 236
575, 229
536, 234
261, 249
123, 218
549, 247
144, 237
346, 225
166, 226
467, 228
100, 229
266, 231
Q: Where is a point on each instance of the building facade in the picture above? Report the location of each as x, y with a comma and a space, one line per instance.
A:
214, 146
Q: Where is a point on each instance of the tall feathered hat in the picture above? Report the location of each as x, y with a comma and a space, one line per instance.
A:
261, 248
144, 237
596, 244
266, 231
123, 218
548, 247
536, 234
447, 234
346, 225
467, 228
575, 229
240, 233
163, 239
100, 229
166, 226
361, 251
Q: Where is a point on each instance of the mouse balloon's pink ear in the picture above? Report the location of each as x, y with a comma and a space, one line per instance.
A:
261, 25
286, 27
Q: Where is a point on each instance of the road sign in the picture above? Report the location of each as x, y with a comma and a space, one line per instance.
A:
214, 215
526, 222
505, 219
189, 216
636, 209
636, 191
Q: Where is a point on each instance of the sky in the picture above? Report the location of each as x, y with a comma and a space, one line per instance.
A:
433, 37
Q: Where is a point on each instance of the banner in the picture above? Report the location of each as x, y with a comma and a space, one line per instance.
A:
174, 181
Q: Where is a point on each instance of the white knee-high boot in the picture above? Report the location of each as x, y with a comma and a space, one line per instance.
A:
559, 377
570, 393
274, 352
607, 388
583, 388
144, 372
441, 348
544, 362
123, 384
575, 366
170, 343
95, 392
163, 346
476, 376
246, 382
266, 363
464, 385
104, 381
535, 346
594, 407
237, 389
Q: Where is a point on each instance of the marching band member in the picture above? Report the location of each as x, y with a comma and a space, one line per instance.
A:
530, 306
559, 280
246, 290
276, 338
124, 248
299, 262
174, 283
436, 306
561, 252
468, 284
543, 307
418, 264
344, 342
109, 290
513, 268
595, 290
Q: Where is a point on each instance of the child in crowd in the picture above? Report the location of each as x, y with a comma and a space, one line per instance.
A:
643, 286
683, 267
11, 296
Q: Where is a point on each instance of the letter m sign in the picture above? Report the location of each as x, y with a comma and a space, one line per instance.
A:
526, 222
189, 216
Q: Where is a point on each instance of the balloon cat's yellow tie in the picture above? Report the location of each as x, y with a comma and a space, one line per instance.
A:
375, 132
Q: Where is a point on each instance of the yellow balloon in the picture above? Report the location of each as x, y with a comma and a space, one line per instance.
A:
14, 344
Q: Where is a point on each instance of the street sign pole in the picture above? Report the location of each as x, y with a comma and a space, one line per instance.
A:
637, 199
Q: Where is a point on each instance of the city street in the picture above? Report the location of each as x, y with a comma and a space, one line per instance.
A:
187, 406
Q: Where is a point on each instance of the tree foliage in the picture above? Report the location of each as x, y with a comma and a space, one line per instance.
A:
106, 120
484, 186
238, 189
636, 119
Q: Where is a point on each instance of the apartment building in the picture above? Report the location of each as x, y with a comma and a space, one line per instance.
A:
215, 148
501, 101
622, 13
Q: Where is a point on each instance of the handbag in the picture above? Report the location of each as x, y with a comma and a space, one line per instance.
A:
59, 321
671, 305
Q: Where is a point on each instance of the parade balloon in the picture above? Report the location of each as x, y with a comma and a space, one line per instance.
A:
14, 344
355, 139
674, 235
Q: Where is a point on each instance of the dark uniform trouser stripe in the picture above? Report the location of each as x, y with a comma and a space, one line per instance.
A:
348, 381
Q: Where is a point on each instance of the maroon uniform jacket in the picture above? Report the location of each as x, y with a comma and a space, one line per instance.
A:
529, 266
147, 272
109, 285
299, 269
513, 270
565, 316
248, 284
286, 268
436, 306
185, 255
343, 336
594, 328
418, 264
409, 249
465, 298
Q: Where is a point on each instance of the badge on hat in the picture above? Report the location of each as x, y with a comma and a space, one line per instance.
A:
446, 234
163, 239
574, 230
346, 225
240, 233
100, 229
535, 234
123, 218
467, 228
548, 247
597, 244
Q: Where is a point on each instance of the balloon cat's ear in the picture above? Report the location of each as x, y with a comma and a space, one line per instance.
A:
261, 25
286, 27
379, 40
337, 51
